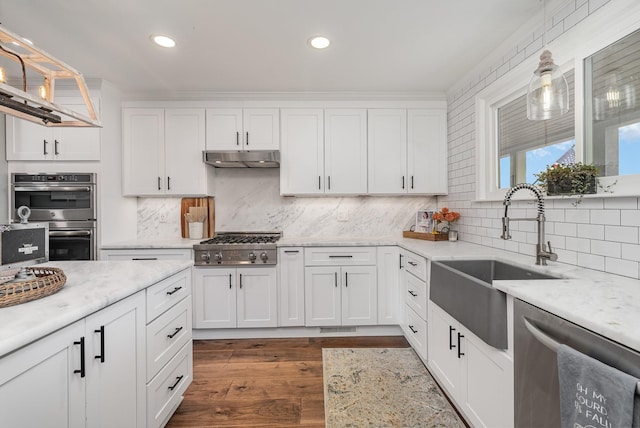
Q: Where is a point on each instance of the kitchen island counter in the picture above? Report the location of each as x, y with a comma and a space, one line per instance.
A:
90, 287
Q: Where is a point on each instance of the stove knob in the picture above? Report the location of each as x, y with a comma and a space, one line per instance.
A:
205, 257
264, 257
252, 257
217, 257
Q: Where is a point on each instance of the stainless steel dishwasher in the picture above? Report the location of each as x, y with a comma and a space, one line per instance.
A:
537, 335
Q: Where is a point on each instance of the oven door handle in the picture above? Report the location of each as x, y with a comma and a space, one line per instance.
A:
52, 189
58, 233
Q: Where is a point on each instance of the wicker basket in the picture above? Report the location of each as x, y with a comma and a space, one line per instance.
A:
48, 280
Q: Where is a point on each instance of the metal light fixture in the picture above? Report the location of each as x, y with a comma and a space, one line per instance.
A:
548, 91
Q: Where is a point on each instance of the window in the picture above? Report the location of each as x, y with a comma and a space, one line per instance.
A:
612, 113
526, 147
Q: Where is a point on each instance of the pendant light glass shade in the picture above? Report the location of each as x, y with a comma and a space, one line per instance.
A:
548, 92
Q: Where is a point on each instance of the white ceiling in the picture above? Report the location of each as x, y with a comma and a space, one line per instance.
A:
261, 45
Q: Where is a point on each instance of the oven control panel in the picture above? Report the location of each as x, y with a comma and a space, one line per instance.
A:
233, 257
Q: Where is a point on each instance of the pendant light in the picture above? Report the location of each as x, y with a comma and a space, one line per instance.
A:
548, 91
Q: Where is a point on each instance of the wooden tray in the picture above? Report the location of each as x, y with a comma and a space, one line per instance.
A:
427, 236
209, 223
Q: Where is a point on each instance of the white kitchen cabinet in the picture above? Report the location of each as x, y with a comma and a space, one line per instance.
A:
28, 141
235, 297
302, 152
43, 374
87, 374
388, 265
243, 129
476, 376
407, 151
324, 151
147, 254
414, 289
162, 152
290, 287
115, 364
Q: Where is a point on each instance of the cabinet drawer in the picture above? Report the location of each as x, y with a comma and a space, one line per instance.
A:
416, 296
164, 393
416, 332
417, 265
167, 293
339, 256
166, 335
147, 254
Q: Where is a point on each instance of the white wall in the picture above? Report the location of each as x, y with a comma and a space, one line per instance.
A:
599, 233
249, 200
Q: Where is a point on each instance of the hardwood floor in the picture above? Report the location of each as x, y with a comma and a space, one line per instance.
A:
262, 382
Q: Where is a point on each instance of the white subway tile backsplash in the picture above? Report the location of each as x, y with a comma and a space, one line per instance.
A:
577, 216
578, 15
566, 229
591, 231
621, 234
596, 4
567, 256
591, 261
605, 248
621, 267
621, 203
631, 252
564, 12
610, 217
578, 244
630, 218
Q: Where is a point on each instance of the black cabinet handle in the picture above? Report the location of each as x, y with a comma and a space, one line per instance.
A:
81, 343
240, 280
412, 181
329, 181
451, 345
55, 147
159, 188
101, 332
403, 182
168, 183
291, 251
346, 279
413, 330
178, 379
335, 278
175, 290
319, 183
44, 147
237, 138
413, 293
414, 264
460, 353
172, 335
144, 258
401, 261
341, 257
247, 138
229, 281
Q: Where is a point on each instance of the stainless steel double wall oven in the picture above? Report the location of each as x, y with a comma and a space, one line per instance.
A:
68, 202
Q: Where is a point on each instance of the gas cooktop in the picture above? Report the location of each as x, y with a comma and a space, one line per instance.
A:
237, 248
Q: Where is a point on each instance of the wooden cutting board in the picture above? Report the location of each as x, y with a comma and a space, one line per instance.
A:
209, 223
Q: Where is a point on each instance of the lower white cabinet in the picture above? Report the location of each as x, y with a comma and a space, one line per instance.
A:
345, 295
388, 266
87, 374
290, 287
414, 296
477, 377
235, 297
147, 254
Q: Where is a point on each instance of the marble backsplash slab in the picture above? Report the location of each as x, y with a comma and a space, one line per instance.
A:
250, 200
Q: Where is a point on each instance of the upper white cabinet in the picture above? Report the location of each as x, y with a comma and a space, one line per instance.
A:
243, 129
28, 141
324, 151
407, 151
162, 152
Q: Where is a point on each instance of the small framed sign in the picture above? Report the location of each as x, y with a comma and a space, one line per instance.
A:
424, 221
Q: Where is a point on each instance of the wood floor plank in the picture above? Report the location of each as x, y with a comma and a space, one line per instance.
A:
262, 382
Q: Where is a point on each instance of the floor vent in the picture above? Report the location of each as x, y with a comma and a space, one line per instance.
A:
333, 330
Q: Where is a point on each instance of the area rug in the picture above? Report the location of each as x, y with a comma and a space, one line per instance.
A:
382, 387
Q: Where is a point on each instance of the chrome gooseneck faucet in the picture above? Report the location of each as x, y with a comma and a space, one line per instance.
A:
542, 255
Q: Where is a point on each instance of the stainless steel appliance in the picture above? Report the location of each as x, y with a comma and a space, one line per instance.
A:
537, 336
237, 249
23, 244
68, 202
242, 159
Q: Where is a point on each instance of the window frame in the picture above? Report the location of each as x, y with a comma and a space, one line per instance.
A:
570, 50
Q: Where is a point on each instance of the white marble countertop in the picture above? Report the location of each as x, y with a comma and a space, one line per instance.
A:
601, 302
90, 286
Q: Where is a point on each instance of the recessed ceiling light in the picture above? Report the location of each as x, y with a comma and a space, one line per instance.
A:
164, 41
319, 42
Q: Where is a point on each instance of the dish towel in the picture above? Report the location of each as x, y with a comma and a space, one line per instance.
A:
593, 394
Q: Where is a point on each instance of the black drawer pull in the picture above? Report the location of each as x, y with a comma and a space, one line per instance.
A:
144, 258
291, 251
451, 345
413, 293
172, 335
178, 379
349, 256
460, 353
101, 332
175, 290
414, 264
412, 329
81, 343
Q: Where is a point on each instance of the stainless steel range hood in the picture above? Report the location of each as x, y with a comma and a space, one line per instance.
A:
246, 159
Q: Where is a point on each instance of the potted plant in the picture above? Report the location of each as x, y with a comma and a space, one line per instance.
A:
569, 179
450, 217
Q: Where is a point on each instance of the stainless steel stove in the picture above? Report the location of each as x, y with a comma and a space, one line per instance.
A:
238, 248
